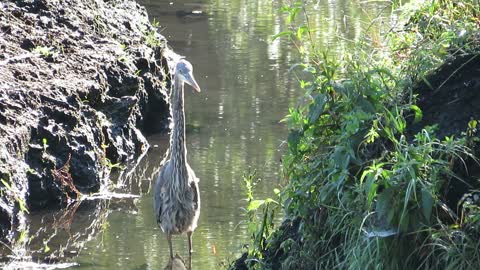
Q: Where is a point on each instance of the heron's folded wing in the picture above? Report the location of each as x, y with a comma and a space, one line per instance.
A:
158, 206
196, 195
158, 197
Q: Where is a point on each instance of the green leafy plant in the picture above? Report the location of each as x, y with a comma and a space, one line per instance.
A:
99, 25
155, 23
107, 162
111, 165
152, 39
44, 144
44, 51
260, 215
369, 193
22, 205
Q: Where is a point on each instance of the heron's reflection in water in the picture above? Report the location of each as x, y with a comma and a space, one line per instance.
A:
177, 263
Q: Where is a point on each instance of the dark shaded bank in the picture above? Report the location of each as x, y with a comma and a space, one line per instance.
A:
79, 80
450, 101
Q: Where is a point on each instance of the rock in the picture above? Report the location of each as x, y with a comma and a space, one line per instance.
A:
77, 85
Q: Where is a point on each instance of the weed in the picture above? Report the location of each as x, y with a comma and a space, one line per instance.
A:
65, 181
44, 144
152, 39
46, 248
259, 226
122, 58
99, 25
44, 51
111, 165
107, 162
22, 205
44, 149
155, 23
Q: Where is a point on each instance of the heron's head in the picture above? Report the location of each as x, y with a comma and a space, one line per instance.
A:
184, 71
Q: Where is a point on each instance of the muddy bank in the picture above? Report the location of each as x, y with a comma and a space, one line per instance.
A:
79, 81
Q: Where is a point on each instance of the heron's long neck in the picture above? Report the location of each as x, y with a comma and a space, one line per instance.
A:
178, 149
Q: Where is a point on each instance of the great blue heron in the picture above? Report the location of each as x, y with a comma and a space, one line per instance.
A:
177, 198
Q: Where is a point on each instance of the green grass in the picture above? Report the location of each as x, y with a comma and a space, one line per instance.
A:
44, 51
355, 170
260, 222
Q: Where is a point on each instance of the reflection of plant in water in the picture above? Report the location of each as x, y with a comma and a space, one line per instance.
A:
55, 235
136, 176
62, 220
65, 217
16, 241
105, 226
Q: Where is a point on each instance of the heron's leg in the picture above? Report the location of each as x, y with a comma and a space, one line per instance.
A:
190, 250
169, 239
190, 262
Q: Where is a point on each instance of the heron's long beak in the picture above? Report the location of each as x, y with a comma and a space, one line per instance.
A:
191, 80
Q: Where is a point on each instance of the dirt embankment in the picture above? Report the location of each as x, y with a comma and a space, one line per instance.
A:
79, 79
451, 101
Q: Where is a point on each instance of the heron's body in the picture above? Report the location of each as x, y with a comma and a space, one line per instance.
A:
176, 194
177, 209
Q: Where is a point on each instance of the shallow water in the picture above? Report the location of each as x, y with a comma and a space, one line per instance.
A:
232, 127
